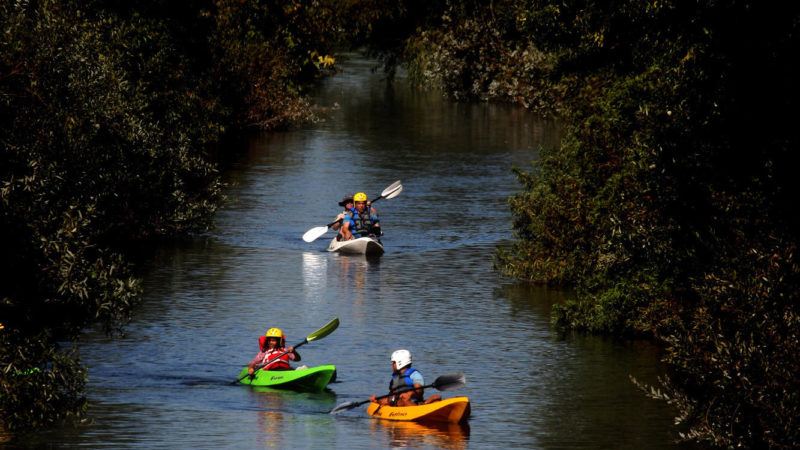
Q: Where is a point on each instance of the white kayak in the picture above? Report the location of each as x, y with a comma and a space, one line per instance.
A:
361, 246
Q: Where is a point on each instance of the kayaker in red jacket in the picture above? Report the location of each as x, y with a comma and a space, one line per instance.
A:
406, 383
271, 346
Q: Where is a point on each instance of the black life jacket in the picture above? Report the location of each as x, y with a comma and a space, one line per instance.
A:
401, 383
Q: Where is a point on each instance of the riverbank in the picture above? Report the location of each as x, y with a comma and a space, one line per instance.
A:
667, 204
109, 113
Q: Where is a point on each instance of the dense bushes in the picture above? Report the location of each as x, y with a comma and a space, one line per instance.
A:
108, 111
669, 204
476, 53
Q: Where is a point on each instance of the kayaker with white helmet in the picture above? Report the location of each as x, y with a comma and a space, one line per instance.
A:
271, 345
362, 221
406, 383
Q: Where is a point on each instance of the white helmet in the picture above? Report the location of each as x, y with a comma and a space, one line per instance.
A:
401, 358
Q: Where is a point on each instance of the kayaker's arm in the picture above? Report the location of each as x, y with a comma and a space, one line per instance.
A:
419, 391
255, 362
338, 223
384, 400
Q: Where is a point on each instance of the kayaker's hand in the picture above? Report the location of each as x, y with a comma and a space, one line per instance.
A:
373, 399
290, 349
250, 371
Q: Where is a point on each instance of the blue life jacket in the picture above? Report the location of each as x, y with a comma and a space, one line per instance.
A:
361, 224
401, 381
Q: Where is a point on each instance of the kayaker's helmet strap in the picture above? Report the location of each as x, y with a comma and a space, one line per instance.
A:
360, 197
401, 358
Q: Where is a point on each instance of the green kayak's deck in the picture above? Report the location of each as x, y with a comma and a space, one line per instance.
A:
309, 379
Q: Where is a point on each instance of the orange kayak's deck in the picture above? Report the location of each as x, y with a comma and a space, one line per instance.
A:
453, 410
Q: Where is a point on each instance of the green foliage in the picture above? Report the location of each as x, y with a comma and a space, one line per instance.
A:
265, 51
108, 112
382, 27
40, 385
475, 53
669, 204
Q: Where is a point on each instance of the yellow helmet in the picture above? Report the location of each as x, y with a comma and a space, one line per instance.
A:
274, 332
360, 197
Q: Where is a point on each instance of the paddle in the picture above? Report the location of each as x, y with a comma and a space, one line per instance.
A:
443, 383
392, 191
314, 233
319, 334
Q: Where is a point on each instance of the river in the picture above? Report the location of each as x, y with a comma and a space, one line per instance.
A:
166, 384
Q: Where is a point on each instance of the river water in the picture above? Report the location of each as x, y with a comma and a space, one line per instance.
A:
166, 384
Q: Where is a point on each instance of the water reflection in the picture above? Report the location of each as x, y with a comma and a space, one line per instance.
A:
315, 273
358, 273
413, 434
278, 412
271, 424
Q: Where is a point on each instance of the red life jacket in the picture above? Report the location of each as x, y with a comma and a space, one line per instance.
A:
281, 364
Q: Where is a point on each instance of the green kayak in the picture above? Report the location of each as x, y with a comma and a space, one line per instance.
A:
311, 379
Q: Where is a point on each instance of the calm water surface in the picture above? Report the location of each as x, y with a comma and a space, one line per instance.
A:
167, 383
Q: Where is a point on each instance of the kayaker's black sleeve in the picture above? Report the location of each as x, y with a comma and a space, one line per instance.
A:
296, 356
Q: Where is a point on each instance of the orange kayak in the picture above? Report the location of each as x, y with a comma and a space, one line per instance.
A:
453, 410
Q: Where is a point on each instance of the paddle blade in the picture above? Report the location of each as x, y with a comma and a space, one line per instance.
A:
345, 407
395, 193
314, 233
451, 381
390, 188
324, 331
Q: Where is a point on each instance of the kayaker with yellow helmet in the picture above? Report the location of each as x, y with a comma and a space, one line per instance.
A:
407, 382
271, 346
362, 221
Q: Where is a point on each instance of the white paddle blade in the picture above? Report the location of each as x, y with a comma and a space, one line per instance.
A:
390, 188
396, 192
314, 233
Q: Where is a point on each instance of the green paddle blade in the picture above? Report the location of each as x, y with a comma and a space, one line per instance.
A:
324, 331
